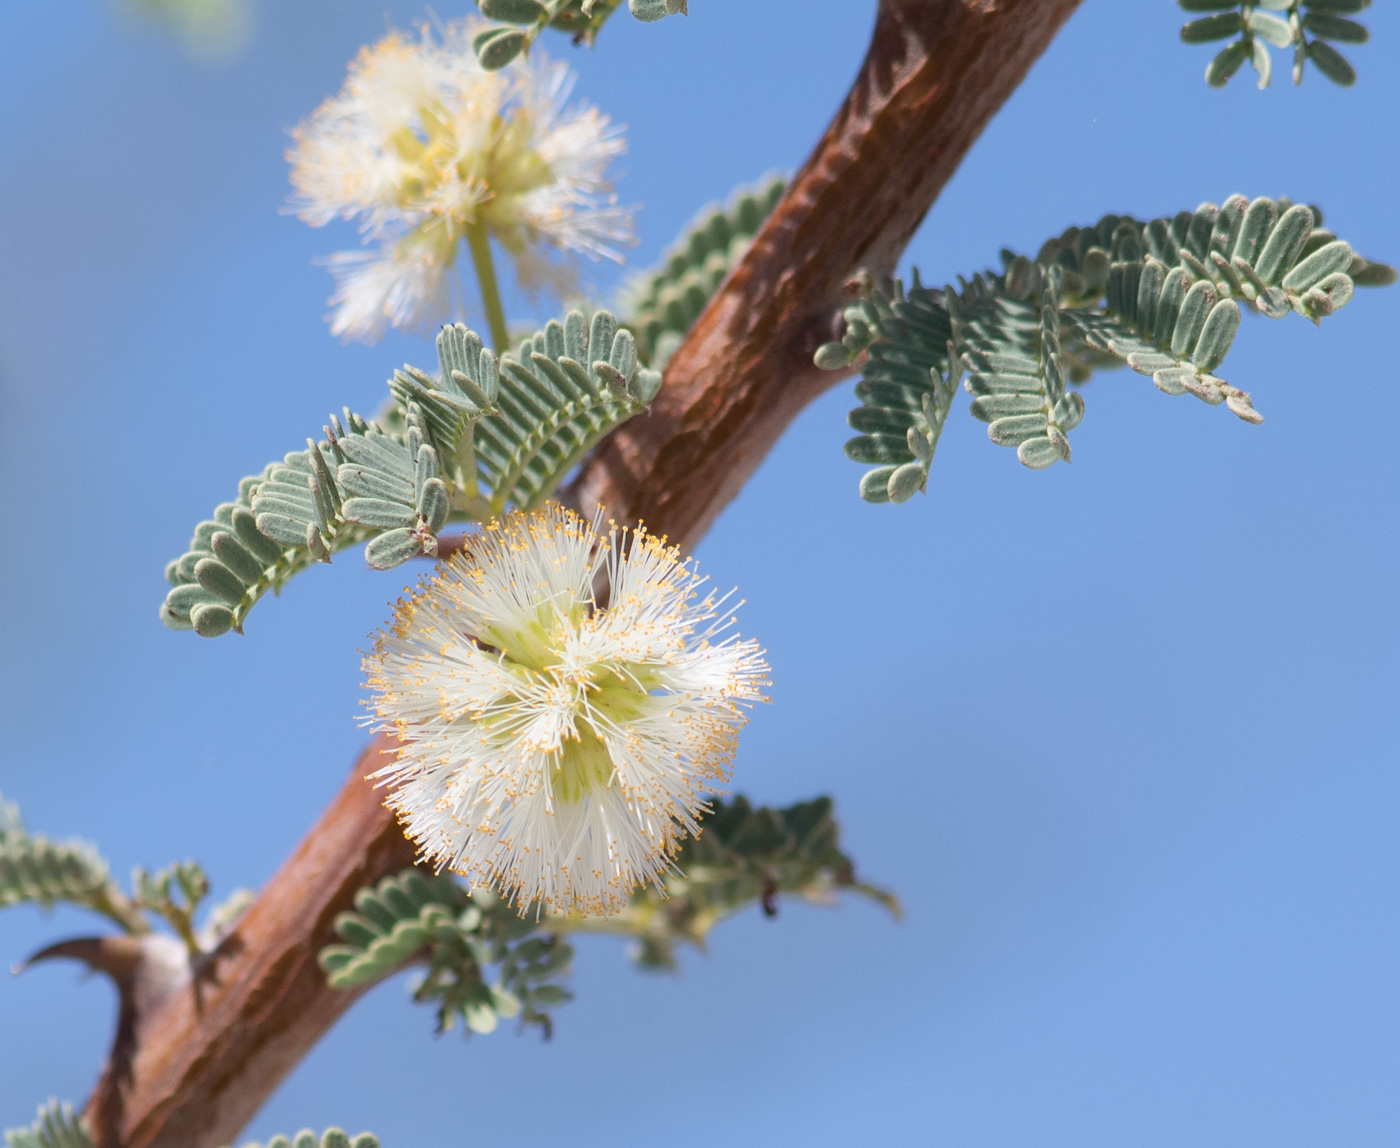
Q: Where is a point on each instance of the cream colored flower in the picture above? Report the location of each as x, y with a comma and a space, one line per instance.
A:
422, 145
553, 746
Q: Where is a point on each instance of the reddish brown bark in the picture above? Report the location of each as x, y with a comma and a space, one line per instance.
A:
935, 73
210, 1057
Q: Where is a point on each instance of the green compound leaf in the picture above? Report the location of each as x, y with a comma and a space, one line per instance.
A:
330, 1138
662, 304
1175, 287
57, 1126
906, 390
1164, 297
1306, 26
285, 519
560, 393
1015, 365
460, 445
35, 870
432, 920
743, 856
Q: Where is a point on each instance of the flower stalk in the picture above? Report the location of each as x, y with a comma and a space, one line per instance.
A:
425, 146
479, 244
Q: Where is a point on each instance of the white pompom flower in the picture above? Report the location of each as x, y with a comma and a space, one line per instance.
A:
551, 744
423, 147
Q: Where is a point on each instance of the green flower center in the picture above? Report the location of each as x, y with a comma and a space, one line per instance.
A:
507, 168
607, 695
583, 765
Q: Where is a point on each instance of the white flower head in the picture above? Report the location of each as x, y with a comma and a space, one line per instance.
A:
550, 744
422, 143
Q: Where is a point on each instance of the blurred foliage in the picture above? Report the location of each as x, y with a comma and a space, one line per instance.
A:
520, 23
35, 870
743, 856
57, 1126
330, 1138
416, 918
661, 304
207, 29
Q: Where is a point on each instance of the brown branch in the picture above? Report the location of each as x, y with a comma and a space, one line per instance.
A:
208, 1060
935, 73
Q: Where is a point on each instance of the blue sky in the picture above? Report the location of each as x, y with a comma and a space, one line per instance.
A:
1121, 734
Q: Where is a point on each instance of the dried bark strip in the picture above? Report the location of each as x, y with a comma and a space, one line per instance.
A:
936, 72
